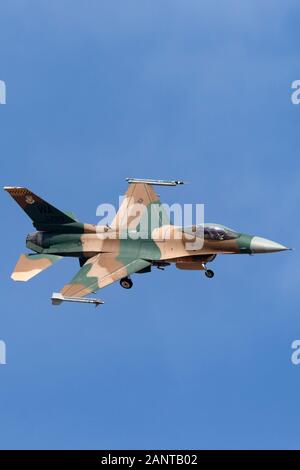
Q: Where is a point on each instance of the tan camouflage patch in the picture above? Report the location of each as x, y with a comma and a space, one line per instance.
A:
137, 193
29, 266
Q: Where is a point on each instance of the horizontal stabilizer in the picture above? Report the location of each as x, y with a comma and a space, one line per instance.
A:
29, 265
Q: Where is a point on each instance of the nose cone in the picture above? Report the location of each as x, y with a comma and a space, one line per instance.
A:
263, 245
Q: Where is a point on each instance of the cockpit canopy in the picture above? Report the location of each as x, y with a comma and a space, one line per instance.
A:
212, 232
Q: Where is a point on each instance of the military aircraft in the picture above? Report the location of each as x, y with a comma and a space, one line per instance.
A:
110, 253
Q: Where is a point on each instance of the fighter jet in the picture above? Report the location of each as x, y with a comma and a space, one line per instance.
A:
110, 253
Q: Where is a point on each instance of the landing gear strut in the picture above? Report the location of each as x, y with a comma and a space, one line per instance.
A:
126, 283
208, 272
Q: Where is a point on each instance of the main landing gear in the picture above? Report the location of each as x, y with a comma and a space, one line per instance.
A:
126, 283
208, 272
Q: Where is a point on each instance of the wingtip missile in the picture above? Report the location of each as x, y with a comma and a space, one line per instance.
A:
57, 298
155, 182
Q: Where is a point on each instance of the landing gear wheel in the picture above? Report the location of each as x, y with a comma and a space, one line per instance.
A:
126, 283
209, 273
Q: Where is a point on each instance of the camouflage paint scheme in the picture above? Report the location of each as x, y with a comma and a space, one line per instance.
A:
29, 265
105, 254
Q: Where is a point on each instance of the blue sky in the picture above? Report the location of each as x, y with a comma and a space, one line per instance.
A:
101, 90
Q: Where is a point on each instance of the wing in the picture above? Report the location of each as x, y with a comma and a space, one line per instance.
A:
140, 208
100, 271
29, 265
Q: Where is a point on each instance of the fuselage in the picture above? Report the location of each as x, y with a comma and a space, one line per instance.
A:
167, 243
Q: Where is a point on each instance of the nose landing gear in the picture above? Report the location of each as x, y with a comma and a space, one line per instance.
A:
208, 272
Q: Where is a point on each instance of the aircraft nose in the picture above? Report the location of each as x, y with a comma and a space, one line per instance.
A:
263, 245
